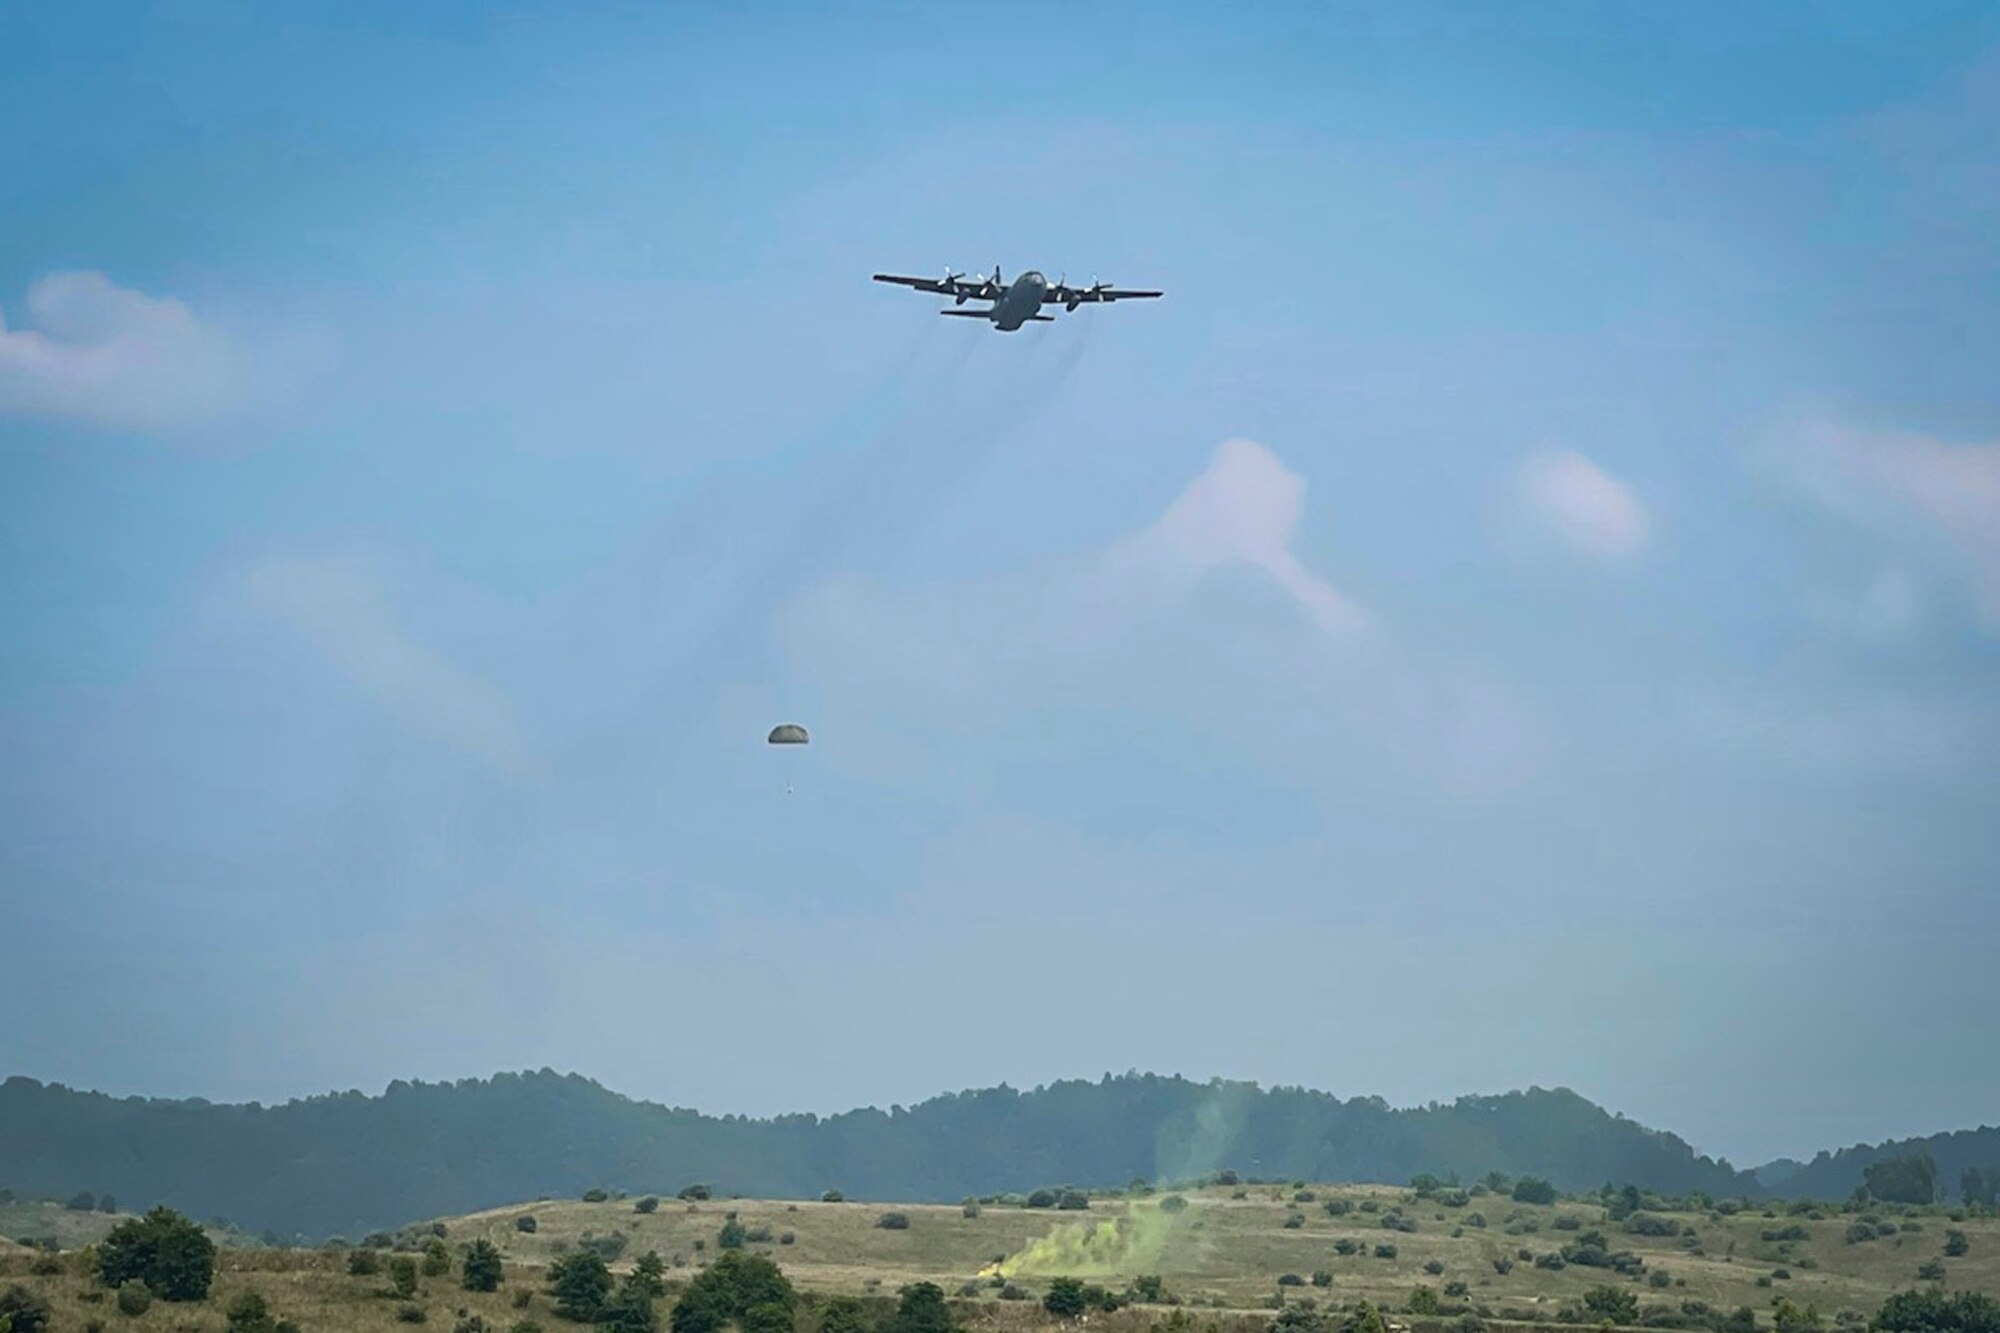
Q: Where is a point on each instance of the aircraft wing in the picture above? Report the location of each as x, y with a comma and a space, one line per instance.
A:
925, 284
1088, 295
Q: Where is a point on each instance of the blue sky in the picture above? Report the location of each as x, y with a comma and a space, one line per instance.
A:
1524, 608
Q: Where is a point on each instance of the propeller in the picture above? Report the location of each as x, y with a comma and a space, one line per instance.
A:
950, 283
993, 288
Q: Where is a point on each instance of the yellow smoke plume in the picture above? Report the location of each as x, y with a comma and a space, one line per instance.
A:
1115, 1247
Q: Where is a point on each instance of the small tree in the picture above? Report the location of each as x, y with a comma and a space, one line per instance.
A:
1911, 1178
1955, 1243
1173, 1203
1933, 1311
628, 1310
843, 1314
920, 1309
1043, 1199
732, 1235
1533, 1189
595, 1195
580, 1283
695, 1193
1364, 1318
82, 1202
834, 1196
649, 1271
1074, 1201
403, 1276
164, 1250
649, 1204
893, 1222
526, 1222
106, 1204
482, 1269
363, 1263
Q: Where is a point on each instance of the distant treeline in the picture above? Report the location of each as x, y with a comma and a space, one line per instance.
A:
347, 1163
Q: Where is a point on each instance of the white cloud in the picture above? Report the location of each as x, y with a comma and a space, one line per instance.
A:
1938, 503
109, 356
1244, 510
336, 604
1588, 508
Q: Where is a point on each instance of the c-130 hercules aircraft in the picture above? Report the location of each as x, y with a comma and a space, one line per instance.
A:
1014, 303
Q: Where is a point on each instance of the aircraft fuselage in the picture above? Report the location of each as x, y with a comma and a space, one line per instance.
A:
1020, 303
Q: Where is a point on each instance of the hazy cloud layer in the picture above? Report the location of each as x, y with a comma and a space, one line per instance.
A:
337, 606
1583, 505
1207, 617
106, 355
1926, 500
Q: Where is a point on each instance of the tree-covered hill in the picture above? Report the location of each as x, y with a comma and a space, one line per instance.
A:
346, 1163
1834, 1175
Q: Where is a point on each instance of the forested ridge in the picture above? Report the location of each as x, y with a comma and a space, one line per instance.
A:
346, 1163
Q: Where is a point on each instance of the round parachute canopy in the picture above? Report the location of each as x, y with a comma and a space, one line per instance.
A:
789, 733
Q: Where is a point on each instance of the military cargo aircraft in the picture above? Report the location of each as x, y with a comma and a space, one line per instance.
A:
1014, 303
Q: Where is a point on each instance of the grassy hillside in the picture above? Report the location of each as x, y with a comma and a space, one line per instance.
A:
1222, 1257
1233, 1250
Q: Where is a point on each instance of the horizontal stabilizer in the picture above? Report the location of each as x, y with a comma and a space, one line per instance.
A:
968, 314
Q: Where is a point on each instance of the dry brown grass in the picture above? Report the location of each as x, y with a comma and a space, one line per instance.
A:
1223, 1255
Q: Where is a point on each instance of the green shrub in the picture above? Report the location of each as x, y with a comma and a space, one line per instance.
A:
833, 1196
1346, 1245
1456, 1290
437, 1259
649, 1204
1386, 1250
411, 1313
699, 1194
1338, 1207
363, 1263
403, 1276
1423, 1301
1065, 1299
1613, 1303
1660, 1277
22, 1311
1173, 1203
595, 1195
732, 1235
1434, 1267
1931, 1270
1074, 1201
166, 1251
1567, 1222
1294, 1222
1955, 1243
1530, 1189
133, 1298
1503, 1265
1290, 1280
893, 1222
